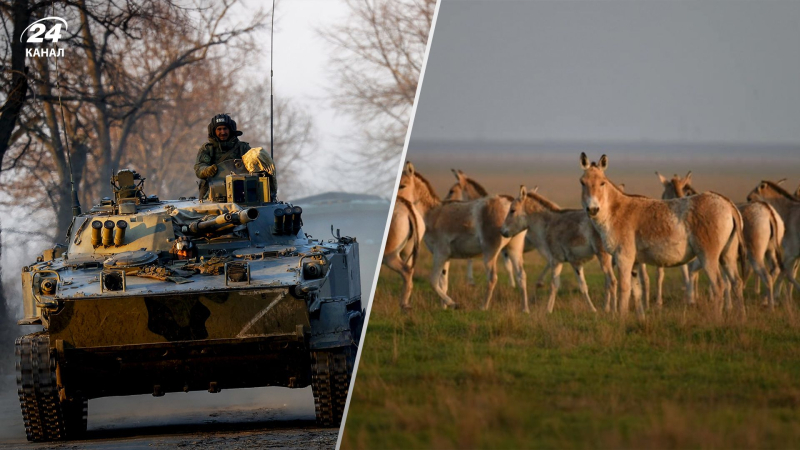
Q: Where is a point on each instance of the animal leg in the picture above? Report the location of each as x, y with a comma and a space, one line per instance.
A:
606, 264
555, 283
540, 279
446, 276
690, 275
438, 281
470, 276
625, 266
734, 286
659, 286
407, 272
763, 275
788, 273
716, 281
583, 287
490, 261
509, 265
637, 280
514, 257
644, 277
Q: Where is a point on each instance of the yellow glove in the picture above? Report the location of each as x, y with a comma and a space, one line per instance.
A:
209, 171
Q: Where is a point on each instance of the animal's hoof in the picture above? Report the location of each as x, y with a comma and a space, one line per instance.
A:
526, 311
453, 305
405, 308
539, 285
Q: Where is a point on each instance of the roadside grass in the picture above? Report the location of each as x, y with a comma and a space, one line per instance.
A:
685, 377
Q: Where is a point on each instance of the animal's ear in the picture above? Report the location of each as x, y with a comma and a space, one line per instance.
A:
584, 161
455, 172
603, 163
797, 192
688, 178
662, 179
522, 192
535, 189
780, 181
621, 187
409, 169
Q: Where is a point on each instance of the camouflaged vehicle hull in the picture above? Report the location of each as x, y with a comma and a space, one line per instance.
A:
258, 304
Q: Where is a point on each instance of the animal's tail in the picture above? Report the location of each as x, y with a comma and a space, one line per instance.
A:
777, 230
738, 229
738, 225
415, 236
413, 223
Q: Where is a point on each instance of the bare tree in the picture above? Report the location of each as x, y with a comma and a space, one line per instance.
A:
116, 62
379, 58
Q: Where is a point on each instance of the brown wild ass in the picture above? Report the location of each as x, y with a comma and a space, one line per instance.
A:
462, 230
763, 234
466, 189
788, 208
676, 187
561, 236
663, 232
763, 231
405, 235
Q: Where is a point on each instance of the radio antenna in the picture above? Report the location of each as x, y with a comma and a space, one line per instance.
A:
271, 110
76, 204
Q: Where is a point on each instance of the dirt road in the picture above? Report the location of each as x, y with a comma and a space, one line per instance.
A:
243, 418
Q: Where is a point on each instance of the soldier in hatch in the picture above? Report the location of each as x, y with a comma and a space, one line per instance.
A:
224, 144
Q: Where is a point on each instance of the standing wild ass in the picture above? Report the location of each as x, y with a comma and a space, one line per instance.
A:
788, 208
663, 232
405, 235
464, 190
676, 187
561, 236
762, 230
462, 230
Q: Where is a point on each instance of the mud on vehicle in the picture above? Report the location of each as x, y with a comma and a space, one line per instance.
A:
158, 296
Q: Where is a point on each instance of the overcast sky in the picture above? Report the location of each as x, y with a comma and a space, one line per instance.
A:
302, 73
688, 71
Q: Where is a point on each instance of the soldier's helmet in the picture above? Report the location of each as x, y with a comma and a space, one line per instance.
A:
222, 119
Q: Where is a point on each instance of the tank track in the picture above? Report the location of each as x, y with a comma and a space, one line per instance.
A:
46, 417
330, 381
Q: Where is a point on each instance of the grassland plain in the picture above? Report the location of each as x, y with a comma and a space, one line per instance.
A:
683, 378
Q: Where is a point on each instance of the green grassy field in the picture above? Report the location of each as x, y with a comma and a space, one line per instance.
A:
503, 379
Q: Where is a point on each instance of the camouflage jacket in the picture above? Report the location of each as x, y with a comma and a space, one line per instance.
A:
212, 153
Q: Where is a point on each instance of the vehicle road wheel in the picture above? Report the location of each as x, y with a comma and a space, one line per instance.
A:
46, 418
330, 381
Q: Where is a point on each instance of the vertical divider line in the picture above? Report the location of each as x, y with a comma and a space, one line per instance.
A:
388, 220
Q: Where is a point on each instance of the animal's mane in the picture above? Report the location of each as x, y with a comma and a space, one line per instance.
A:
405, 202
544, 202
478, 188
622, 191
688, 187
428, 185
780, 190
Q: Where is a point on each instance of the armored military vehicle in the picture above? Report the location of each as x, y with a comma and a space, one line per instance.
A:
159, 296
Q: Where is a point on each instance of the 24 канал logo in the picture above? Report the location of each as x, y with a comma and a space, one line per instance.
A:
38, 33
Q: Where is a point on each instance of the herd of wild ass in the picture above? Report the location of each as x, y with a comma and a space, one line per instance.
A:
683, 229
